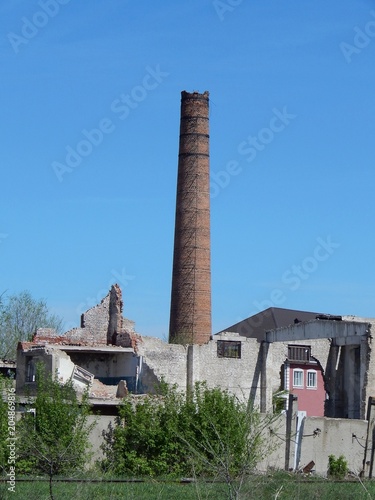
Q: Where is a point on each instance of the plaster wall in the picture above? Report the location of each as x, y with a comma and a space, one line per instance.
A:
64, 367
367, 373
274, 454
161, 361
105, 365
96, 439
185, 365
335, 437
96, 320
239, 376
331, 436
47, 356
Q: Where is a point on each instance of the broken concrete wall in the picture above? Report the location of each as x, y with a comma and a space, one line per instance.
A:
27, 360
274, 356
54, 361
109, 367
115, 322
95, 321
161, 361
102, 324
342, 349
185, 365
63, 365
350, 373
367, 360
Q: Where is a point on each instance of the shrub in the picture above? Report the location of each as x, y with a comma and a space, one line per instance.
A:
337, 467
208, 432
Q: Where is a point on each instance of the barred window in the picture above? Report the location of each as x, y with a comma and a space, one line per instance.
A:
300, 353
228, 349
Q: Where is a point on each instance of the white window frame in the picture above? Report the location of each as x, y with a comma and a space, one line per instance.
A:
300, 372
315, 373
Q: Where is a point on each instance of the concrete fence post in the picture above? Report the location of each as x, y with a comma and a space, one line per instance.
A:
291, 412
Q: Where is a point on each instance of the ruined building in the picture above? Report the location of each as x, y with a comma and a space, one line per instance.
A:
326, 363
99, 355
190, 318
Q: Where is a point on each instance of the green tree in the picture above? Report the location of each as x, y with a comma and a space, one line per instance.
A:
143, 443
20, 316
227, 437
6, 387
53, 438
207, 433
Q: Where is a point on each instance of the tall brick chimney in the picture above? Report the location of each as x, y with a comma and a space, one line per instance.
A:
190, 319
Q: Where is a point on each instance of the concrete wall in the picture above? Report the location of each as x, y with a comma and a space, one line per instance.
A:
240, 376
96, 320
96, 439
335, 436
47, 356
64, 366
106, 365
54, 360
185, 365
322, 437
161, 361
367, 366
255, 376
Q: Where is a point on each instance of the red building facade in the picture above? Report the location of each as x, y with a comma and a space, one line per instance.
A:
303, 377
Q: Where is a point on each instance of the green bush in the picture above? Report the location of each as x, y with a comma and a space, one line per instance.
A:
337, 467
207, 433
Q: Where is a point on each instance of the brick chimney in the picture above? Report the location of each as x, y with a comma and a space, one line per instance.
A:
190, 319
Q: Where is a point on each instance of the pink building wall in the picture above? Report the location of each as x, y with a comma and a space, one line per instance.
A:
306, 382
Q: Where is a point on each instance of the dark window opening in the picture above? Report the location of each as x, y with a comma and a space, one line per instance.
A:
30, 370
228, 349
300, 353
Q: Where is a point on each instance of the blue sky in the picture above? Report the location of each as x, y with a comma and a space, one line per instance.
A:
90, 103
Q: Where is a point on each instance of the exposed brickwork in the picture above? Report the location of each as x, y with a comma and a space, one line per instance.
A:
95, 321
128, 339
103, 324
190, 320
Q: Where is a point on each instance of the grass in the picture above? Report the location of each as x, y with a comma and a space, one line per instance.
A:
277, 486
131, 491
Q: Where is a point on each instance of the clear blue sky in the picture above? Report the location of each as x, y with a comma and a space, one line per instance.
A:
292, 146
